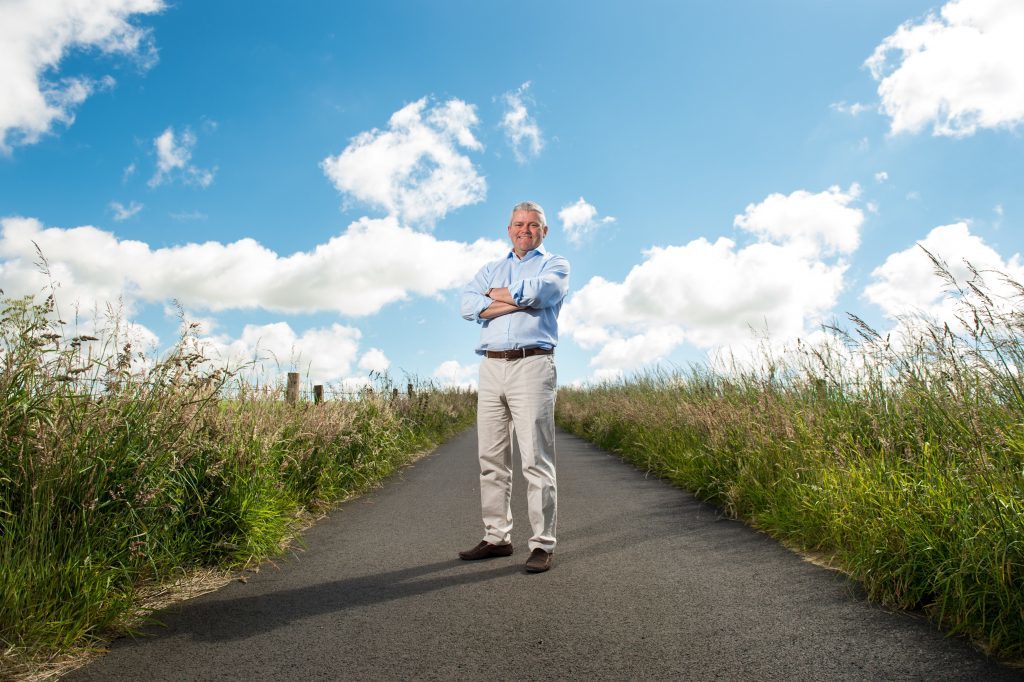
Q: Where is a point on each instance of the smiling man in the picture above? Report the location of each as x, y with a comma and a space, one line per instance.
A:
516, 301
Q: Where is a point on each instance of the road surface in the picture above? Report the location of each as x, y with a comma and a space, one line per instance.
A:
648, 583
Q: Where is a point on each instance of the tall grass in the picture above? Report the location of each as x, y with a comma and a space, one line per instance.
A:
117, 474
899, 460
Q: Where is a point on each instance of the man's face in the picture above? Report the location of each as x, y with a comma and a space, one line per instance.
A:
526, 232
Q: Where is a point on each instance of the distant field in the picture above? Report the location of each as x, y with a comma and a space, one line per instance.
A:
900, 461
118, 474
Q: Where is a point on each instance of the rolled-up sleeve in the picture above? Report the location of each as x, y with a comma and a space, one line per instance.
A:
546, 289
474, 301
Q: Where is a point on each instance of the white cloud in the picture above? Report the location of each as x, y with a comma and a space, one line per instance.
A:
717, 294
958, 71
122, 212
855, 109
881, 176
371, 264
452, 373
604, 375
36, 36
580, 219
374, 360
414, 170
321, 354
521, 130
173, 154
655, 342
906, 283
822, 223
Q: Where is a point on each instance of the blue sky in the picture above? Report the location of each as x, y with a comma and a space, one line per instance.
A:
314, 181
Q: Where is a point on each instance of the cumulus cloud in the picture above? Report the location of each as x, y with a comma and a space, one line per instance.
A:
881, 176
813, 223
452, 373
906, 283
374, 360
34, 39
620, 354
414, 170
371, 264
173, 157
719, 294
956, 71
324, 354
580, 219
122, 212
521, 130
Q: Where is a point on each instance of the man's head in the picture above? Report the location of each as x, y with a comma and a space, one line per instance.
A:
527, 227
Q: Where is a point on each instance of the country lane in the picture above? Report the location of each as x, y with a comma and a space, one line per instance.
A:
648, 583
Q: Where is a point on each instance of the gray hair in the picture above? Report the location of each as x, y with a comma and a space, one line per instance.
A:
530, 206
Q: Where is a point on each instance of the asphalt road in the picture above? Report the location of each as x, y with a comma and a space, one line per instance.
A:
648, 583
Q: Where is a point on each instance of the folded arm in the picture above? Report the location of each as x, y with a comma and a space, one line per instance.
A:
502, 295
479, 302
543, 291
499, 308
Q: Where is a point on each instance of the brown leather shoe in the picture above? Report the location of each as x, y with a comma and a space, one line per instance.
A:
539, 561
485, 550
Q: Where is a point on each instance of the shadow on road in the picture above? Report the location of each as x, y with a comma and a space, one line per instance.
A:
243, 617
227, 619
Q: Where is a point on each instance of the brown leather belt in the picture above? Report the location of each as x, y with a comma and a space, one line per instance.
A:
517, 353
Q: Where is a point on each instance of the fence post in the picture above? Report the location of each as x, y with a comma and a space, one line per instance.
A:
408, 390
394, 394
292, 396
318, 394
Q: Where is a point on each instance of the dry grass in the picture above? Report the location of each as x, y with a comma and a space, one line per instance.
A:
901, 464
119, 475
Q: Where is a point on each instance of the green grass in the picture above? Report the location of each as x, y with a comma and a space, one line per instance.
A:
901, 463
118, 474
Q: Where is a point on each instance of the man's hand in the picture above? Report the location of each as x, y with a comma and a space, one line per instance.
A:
501, 294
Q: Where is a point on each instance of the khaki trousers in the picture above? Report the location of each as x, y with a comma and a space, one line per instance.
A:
516, 399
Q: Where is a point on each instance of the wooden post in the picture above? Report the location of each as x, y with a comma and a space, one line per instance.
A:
408, 390
292, 396
394, 394
318, 394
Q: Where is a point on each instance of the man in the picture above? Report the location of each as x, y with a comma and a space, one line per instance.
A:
516, 301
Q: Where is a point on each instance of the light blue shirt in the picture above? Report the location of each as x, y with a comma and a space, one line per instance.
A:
539, 281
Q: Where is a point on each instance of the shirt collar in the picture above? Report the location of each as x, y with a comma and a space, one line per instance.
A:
529, 254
